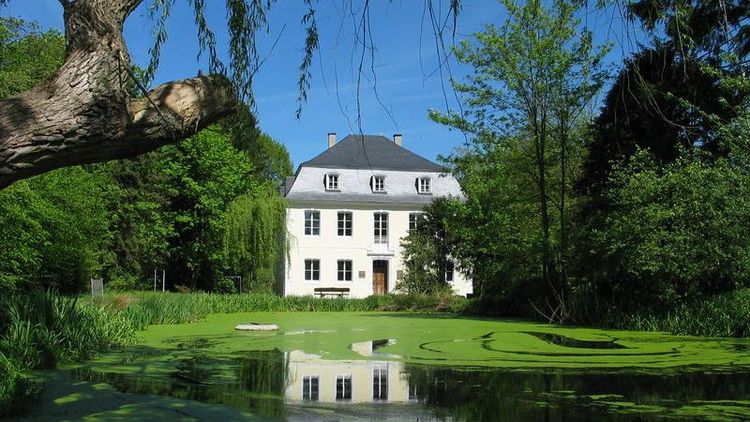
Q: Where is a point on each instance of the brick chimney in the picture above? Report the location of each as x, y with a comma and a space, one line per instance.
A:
331, 139
397, 139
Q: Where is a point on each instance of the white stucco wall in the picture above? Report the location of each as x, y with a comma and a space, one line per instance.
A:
360, 371
360, 248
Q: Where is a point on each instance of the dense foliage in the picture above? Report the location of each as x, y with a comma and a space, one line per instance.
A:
426, 250
637, 214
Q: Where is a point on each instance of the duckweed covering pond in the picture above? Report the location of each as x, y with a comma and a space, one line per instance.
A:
342, 366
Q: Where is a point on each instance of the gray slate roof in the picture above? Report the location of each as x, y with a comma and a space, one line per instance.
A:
371, 152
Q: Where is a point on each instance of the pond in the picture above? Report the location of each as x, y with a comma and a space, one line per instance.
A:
393, 366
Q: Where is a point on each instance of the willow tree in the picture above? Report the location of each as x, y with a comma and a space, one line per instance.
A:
87, 111
255, 237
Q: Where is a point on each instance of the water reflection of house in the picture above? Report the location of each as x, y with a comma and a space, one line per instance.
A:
310, 378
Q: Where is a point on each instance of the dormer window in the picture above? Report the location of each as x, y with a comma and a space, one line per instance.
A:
332, 181
424, 185
378, 184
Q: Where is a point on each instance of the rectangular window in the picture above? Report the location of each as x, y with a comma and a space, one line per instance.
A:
345, 223
424, 185
378, 183
413, 396
312, 223
344, 270
312, 269
343, 387
449, 269
310, 388
381, 227
332, 181
415, 219
380, 383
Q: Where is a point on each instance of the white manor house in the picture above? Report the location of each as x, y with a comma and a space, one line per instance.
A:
348, 209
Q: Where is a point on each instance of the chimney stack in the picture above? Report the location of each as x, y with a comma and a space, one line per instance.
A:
397, 139
331, 139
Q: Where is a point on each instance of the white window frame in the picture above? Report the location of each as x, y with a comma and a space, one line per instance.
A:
333, 182
415, 218
341, 224
381, 371
308, 390
314, 217
450, 270
341, 272
343, 378
312, 270
380, 227
378, 188
424, 185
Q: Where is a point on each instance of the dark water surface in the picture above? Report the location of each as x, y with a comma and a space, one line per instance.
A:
298, 386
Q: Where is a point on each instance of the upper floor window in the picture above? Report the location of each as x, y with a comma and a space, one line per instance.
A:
424, 185
312, 223
345, 223
332, 181
381, 227
344, 270
378, 183
312, 269
310, 388
415, 219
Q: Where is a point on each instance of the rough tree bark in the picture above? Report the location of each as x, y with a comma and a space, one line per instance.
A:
85, 113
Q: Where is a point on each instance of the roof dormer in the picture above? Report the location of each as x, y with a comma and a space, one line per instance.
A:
332, 182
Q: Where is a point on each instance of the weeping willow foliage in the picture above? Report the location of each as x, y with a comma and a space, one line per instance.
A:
255, 238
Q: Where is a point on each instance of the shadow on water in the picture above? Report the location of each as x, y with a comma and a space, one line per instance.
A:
580, 344
299, 386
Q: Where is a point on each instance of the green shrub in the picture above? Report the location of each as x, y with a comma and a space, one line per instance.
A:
723, 315
16, 391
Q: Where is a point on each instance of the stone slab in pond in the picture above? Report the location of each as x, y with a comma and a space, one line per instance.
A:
254, 326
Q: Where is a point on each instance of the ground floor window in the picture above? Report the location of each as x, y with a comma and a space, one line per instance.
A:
380, 383
312, 269
449, 270
344, 270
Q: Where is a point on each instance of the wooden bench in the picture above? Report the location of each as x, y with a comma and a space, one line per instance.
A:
331, 291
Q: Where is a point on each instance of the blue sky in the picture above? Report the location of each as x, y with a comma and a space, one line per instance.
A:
405, 66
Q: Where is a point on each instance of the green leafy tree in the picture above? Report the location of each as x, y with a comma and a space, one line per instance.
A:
533, 79
675, 232
27, 55
54, 229
427, 249
255, 239
206, 173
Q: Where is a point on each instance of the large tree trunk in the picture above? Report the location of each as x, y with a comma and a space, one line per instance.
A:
86, 112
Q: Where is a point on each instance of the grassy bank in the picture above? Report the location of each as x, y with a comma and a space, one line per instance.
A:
143, 309
724, 315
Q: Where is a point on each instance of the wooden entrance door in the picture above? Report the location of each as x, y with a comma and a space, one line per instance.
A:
379, 277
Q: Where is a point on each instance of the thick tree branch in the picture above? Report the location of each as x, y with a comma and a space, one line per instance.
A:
39, 137
86, 113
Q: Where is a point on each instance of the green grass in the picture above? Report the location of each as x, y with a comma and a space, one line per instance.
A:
144, 309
